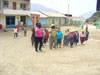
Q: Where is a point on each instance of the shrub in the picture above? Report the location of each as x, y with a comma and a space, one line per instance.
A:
4, 30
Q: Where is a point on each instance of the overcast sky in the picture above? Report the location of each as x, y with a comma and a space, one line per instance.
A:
76, 7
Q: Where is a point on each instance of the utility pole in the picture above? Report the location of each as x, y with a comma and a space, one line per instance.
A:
68, 8
1, 6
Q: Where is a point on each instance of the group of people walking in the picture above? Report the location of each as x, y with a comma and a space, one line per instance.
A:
56, 37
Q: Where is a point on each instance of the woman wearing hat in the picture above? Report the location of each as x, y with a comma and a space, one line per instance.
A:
82, 37
71, 35
53, 40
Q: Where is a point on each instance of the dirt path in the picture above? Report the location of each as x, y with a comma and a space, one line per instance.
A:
17, 57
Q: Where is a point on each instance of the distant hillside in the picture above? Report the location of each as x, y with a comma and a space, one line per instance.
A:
39, 7
94, 17
88, 14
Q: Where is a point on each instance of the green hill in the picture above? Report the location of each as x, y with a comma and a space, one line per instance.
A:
94, 17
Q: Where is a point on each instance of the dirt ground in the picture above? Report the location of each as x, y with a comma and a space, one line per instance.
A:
18, 57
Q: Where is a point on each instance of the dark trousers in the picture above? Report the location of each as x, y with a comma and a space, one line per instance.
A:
45, 40
86, 37
38, 40
25, 33
71, 42
15, 35
33, 40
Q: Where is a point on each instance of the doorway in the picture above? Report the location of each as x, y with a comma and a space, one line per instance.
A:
23, 19
14, 5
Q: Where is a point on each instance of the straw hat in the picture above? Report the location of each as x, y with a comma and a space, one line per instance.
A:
52, 25
72, 30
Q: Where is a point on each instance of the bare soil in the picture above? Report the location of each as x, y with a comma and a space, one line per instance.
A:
18, 57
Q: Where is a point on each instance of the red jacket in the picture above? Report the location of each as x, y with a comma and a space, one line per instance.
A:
46, 35
17, 26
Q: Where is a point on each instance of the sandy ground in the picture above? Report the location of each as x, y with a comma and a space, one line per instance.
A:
18, 57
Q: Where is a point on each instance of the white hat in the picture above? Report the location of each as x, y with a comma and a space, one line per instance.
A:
72, 30
52, 25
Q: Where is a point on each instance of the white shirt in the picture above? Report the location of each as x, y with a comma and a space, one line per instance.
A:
15, 31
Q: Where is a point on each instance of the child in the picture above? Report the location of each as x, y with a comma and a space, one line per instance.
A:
15, 32
25, 31
17, 26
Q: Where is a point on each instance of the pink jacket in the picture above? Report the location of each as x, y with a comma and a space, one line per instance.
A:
82, 35
39, 33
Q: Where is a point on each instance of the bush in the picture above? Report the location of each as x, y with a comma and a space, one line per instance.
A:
4, 30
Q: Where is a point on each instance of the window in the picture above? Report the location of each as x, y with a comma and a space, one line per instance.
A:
59, 21
10, 21
52, 21
23, 6
5, 4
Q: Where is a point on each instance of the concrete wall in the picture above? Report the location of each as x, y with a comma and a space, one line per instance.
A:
18, 4
49, 21
56, 21
17, 18
63, 21
68, 21
2, 21
29, 22
43, 21
1, 5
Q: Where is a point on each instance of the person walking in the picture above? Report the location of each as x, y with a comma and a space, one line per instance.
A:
53, 39
38, 37
25, 31
33, 36
17, 26
82, 26
15, 32
77, 37
65, 38
82, 37
86, 27
87, 35
59, 37
46, 36
71, 35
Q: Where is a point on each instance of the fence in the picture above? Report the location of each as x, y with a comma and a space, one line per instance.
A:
97, 24
75, 21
